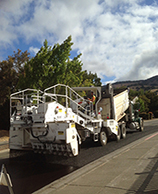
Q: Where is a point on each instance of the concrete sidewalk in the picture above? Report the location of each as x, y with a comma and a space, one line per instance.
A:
131, 169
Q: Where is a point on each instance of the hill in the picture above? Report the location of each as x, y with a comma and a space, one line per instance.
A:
148, 84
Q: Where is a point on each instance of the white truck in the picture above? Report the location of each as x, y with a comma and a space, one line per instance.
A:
59, 119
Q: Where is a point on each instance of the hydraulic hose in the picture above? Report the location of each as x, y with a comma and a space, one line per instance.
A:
40, 136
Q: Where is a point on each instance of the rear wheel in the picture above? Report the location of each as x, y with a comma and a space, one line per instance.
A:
103, 138
118, 136
123, 131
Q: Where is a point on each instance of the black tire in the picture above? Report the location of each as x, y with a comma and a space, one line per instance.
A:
123, 131
79, 146
141, 127
118, 136
103, 138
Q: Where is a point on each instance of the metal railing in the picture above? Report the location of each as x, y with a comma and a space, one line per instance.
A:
25, 98
60, 93
67, 97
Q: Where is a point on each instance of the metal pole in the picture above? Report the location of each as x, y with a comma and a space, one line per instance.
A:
7, 180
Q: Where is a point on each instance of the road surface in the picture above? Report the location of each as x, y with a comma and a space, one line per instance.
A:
29, 173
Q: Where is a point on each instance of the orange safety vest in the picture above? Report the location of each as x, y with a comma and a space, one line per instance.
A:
93, 99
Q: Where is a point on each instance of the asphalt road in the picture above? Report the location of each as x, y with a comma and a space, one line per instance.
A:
29, 173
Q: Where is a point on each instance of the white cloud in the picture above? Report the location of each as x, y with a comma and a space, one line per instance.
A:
144, 65
11, 14
33, 50
116, 38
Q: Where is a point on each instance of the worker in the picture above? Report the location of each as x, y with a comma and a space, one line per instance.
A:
92, 99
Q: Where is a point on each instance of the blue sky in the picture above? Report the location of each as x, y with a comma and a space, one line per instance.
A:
118, 39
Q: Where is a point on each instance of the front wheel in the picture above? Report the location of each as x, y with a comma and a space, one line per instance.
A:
103, 138
141, 125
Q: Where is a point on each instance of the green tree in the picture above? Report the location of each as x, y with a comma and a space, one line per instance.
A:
140, 105
51, 66
132, 94
153, 105
91, 79
10, 69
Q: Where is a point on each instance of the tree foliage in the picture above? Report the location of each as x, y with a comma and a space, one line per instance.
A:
10, 70
91, 79
153, 105
148, 100
52, 65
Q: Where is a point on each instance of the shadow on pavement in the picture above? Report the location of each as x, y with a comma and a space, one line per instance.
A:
147, 183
